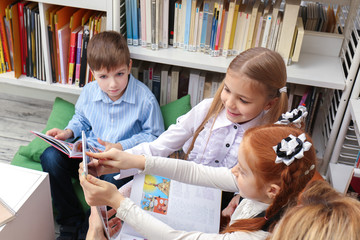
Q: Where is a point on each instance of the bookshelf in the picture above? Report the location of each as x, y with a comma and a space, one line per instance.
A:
31, 86
321, 64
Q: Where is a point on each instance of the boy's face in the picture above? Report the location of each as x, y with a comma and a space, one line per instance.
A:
113, 82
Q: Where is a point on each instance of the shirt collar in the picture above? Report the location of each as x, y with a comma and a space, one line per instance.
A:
223, 121
99, 95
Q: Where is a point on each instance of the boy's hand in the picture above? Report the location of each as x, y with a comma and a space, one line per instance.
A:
109, 145
60, 134
116, 158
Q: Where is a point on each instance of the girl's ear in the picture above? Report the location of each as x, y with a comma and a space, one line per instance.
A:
271, 103
272, 190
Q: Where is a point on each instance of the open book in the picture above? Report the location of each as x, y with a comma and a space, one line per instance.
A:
73, 150
182, 206
6, 213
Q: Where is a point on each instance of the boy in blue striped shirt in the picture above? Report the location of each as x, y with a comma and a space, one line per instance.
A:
116, 108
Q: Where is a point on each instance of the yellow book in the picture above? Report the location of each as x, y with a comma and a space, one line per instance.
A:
291, 12
2, 59
233, 28
299, 40
228, 28
252, 22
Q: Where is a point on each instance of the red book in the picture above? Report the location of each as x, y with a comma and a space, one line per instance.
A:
23, 37
72, 54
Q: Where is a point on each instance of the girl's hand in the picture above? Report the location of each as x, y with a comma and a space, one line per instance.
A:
96, 230
116, 158
98, 170
98, 192
109, 145
229, 210
60, 134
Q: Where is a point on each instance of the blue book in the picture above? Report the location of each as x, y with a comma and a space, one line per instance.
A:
135, 22
129, 34
213, 30
204, 25
187, 24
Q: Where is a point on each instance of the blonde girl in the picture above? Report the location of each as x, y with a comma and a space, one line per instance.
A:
275, 163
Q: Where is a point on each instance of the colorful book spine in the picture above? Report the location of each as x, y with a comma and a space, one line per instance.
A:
187, 24
204, 26
129, 33
135, 23
72, 55
23, 46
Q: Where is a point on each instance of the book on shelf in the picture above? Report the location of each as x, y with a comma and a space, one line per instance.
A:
143, 22
192, 26
175, 27
201, 85
193, 89
78, 57
83, 64
286, 33
63, 52
156, 82
73, 54
229, 28
187, 20
9, 39
23, 42
13, 9
5, 37
183, 86
172, 5
6, 213
164, 84
299, 33
175, 74
73, 150
166, 199
129, 34
135, 22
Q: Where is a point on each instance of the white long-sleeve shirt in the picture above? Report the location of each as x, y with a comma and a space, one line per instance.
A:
197, 174
220, 150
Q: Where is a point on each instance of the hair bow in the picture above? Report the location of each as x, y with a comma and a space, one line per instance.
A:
295, 116
290, 148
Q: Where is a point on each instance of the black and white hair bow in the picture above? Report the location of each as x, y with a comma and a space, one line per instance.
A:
290, 148
295, 116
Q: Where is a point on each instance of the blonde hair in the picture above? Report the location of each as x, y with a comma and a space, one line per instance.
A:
107, 50
322, 214
292, 179
265, 67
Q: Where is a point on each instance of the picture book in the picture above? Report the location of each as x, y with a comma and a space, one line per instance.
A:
182, 206
73, 150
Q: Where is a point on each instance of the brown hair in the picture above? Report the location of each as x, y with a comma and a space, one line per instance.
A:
107, 49
323, 213
292, 179
265, 67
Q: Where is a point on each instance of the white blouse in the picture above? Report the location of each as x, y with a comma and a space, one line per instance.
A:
220, 150
197, 174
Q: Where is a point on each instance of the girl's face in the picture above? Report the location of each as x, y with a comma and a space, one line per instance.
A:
246, 180
243, 100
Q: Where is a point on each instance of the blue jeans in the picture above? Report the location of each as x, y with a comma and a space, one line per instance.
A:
61, 169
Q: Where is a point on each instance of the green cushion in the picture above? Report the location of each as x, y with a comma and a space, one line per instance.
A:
175, 109
61, 114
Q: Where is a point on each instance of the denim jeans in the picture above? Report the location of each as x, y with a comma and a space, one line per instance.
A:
61, 169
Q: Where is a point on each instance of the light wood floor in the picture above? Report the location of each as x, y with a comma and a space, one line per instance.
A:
18, 116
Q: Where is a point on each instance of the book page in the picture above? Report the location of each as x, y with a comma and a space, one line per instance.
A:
186, 207
6, 213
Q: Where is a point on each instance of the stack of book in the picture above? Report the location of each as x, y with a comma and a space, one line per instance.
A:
69, 31
169, 83
20, 39
218, 27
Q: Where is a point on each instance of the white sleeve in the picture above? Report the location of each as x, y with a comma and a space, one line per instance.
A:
192, 173
176, 135
153, 229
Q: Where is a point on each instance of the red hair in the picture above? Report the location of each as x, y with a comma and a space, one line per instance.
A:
260, 157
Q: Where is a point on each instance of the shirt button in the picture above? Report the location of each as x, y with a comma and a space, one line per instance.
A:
216, 161
235, 126
227, 145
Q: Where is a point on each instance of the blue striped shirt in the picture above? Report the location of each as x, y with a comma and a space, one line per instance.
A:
134, 118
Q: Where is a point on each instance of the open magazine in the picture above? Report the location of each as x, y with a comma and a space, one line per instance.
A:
102, 210
181, 206
73, 150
